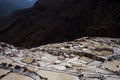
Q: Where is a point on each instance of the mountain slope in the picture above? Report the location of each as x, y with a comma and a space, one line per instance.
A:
8, 6
55, 21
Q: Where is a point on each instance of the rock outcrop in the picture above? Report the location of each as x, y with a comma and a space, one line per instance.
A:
87, 58
51, 21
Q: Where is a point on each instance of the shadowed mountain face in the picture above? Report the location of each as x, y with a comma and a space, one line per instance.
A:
8, 6
51, 21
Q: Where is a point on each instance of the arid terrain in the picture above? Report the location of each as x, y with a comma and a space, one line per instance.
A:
51, 21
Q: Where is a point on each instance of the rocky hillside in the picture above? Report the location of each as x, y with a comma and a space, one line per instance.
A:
51, 21
87, 58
